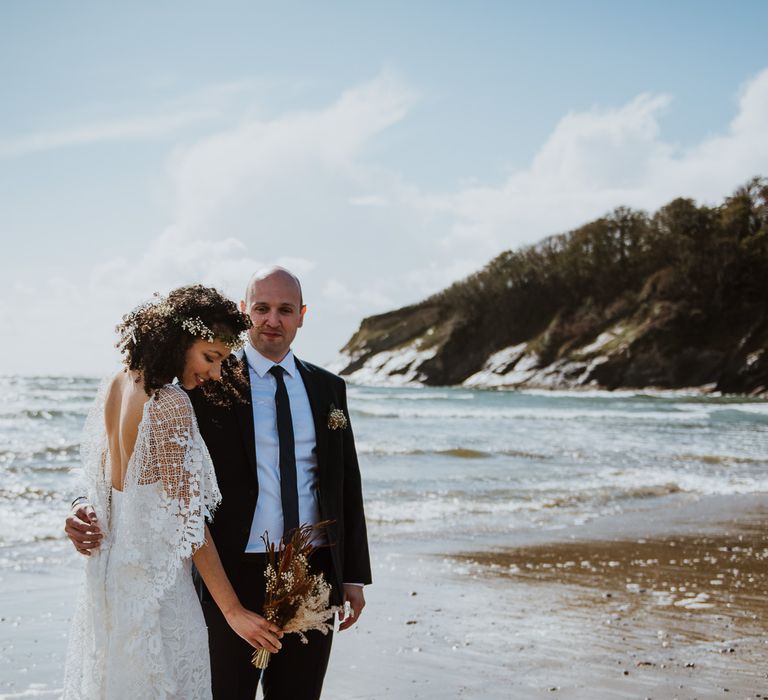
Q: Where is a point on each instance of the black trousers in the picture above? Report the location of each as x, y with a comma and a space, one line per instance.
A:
296, 672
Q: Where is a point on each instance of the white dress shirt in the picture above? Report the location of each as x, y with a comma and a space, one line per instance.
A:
269, 509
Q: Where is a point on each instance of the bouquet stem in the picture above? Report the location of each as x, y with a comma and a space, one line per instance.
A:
260, 658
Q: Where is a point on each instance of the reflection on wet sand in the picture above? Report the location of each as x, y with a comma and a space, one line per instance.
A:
680, 616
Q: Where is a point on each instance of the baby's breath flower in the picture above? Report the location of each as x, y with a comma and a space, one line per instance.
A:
195, 326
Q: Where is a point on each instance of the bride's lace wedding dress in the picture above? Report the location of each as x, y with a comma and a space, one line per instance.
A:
138, 630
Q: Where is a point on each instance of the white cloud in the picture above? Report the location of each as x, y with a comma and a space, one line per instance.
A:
196, 108
111, 130
361, 300
371, 200
245, 166
599, 159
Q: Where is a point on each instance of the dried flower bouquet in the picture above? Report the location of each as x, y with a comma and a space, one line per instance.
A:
296, 600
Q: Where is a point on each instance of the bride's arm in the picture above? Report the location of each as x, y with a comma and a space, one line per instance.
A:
255, 629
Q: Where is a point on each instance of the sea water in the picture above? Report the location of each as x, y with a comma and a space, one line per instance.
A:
435, 462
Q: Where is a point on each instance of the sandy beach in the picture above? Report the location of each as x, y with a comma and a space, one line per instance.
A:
663, 602
668, 602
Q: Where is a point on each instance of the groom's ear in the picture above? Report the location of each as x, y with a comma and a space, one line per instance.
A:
242, 305
302, 311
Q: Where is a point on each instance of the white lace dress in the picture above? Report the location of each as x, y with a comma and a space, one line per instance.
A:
138, 629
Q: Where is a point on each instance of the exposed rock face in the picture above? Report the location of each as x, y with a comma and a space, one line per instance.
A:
650, 333
652, 347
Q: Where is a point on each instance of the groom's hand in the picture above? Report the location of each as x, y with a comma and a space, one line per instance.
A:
82, 528
353, 595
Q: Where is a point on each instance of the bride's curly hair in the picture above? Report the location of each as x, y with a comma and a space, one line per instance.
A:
155, 337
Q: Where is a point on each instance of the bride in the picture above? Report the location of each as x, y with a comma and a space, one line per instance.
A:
138, 630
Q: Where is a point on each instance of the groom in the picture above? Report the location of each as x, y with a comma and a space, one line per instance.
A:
279, 461
245, 443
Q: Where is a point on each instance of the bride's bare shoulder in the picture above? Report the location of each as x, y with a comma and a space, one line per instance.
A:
125, 399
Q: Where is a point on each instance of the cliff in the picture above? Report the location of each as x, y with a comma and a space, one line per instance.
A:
675, 299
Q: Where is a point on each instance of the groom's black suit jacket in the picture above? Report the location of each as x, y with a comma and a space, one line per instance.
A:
229, 434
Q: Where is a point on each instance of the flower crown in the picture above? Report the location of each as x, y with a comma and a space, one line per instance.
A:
194, 326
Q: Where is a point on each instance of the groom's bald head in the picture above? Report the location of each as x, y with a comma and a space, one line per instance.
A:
276, 273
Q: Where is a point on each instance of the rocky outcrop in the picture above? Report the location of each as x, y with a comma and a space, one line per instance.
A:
656, 328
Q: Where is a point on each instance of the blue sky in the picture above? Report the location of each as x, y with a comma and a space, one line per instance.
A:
382, 151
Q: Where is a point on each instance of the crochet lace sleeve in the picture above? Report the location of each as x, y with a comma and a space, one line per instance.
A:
167, 455
169, 489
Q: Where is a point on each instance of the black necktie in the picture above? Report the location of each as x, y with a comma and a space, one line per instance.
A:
287, 454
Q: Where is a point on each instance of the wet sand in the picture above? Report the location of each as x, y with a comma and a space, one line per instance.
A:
610, 609
679, 616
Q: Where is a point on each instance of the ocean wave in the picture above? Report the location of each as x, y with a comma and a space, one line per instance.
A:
524, 454
720, 459
464, 453
420, 510
400, 506
529, 413
44, 413
410, 394
52, 380
696, 481
578, 393
31, 469
39, 693
460, 452
31, 538
44, 453
608, 494
739, 413
23, 492
362, 413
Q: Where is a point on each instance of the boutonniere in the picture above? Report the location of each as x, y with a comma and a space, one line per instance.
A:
336, 419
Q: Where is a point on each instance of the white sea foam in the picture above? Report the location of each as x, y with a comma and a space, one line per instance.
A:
415, 393
35, 690
535, 413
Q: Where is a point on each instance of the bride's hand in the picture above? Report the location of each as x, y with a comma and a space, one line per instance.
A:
82, 528
255, 629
